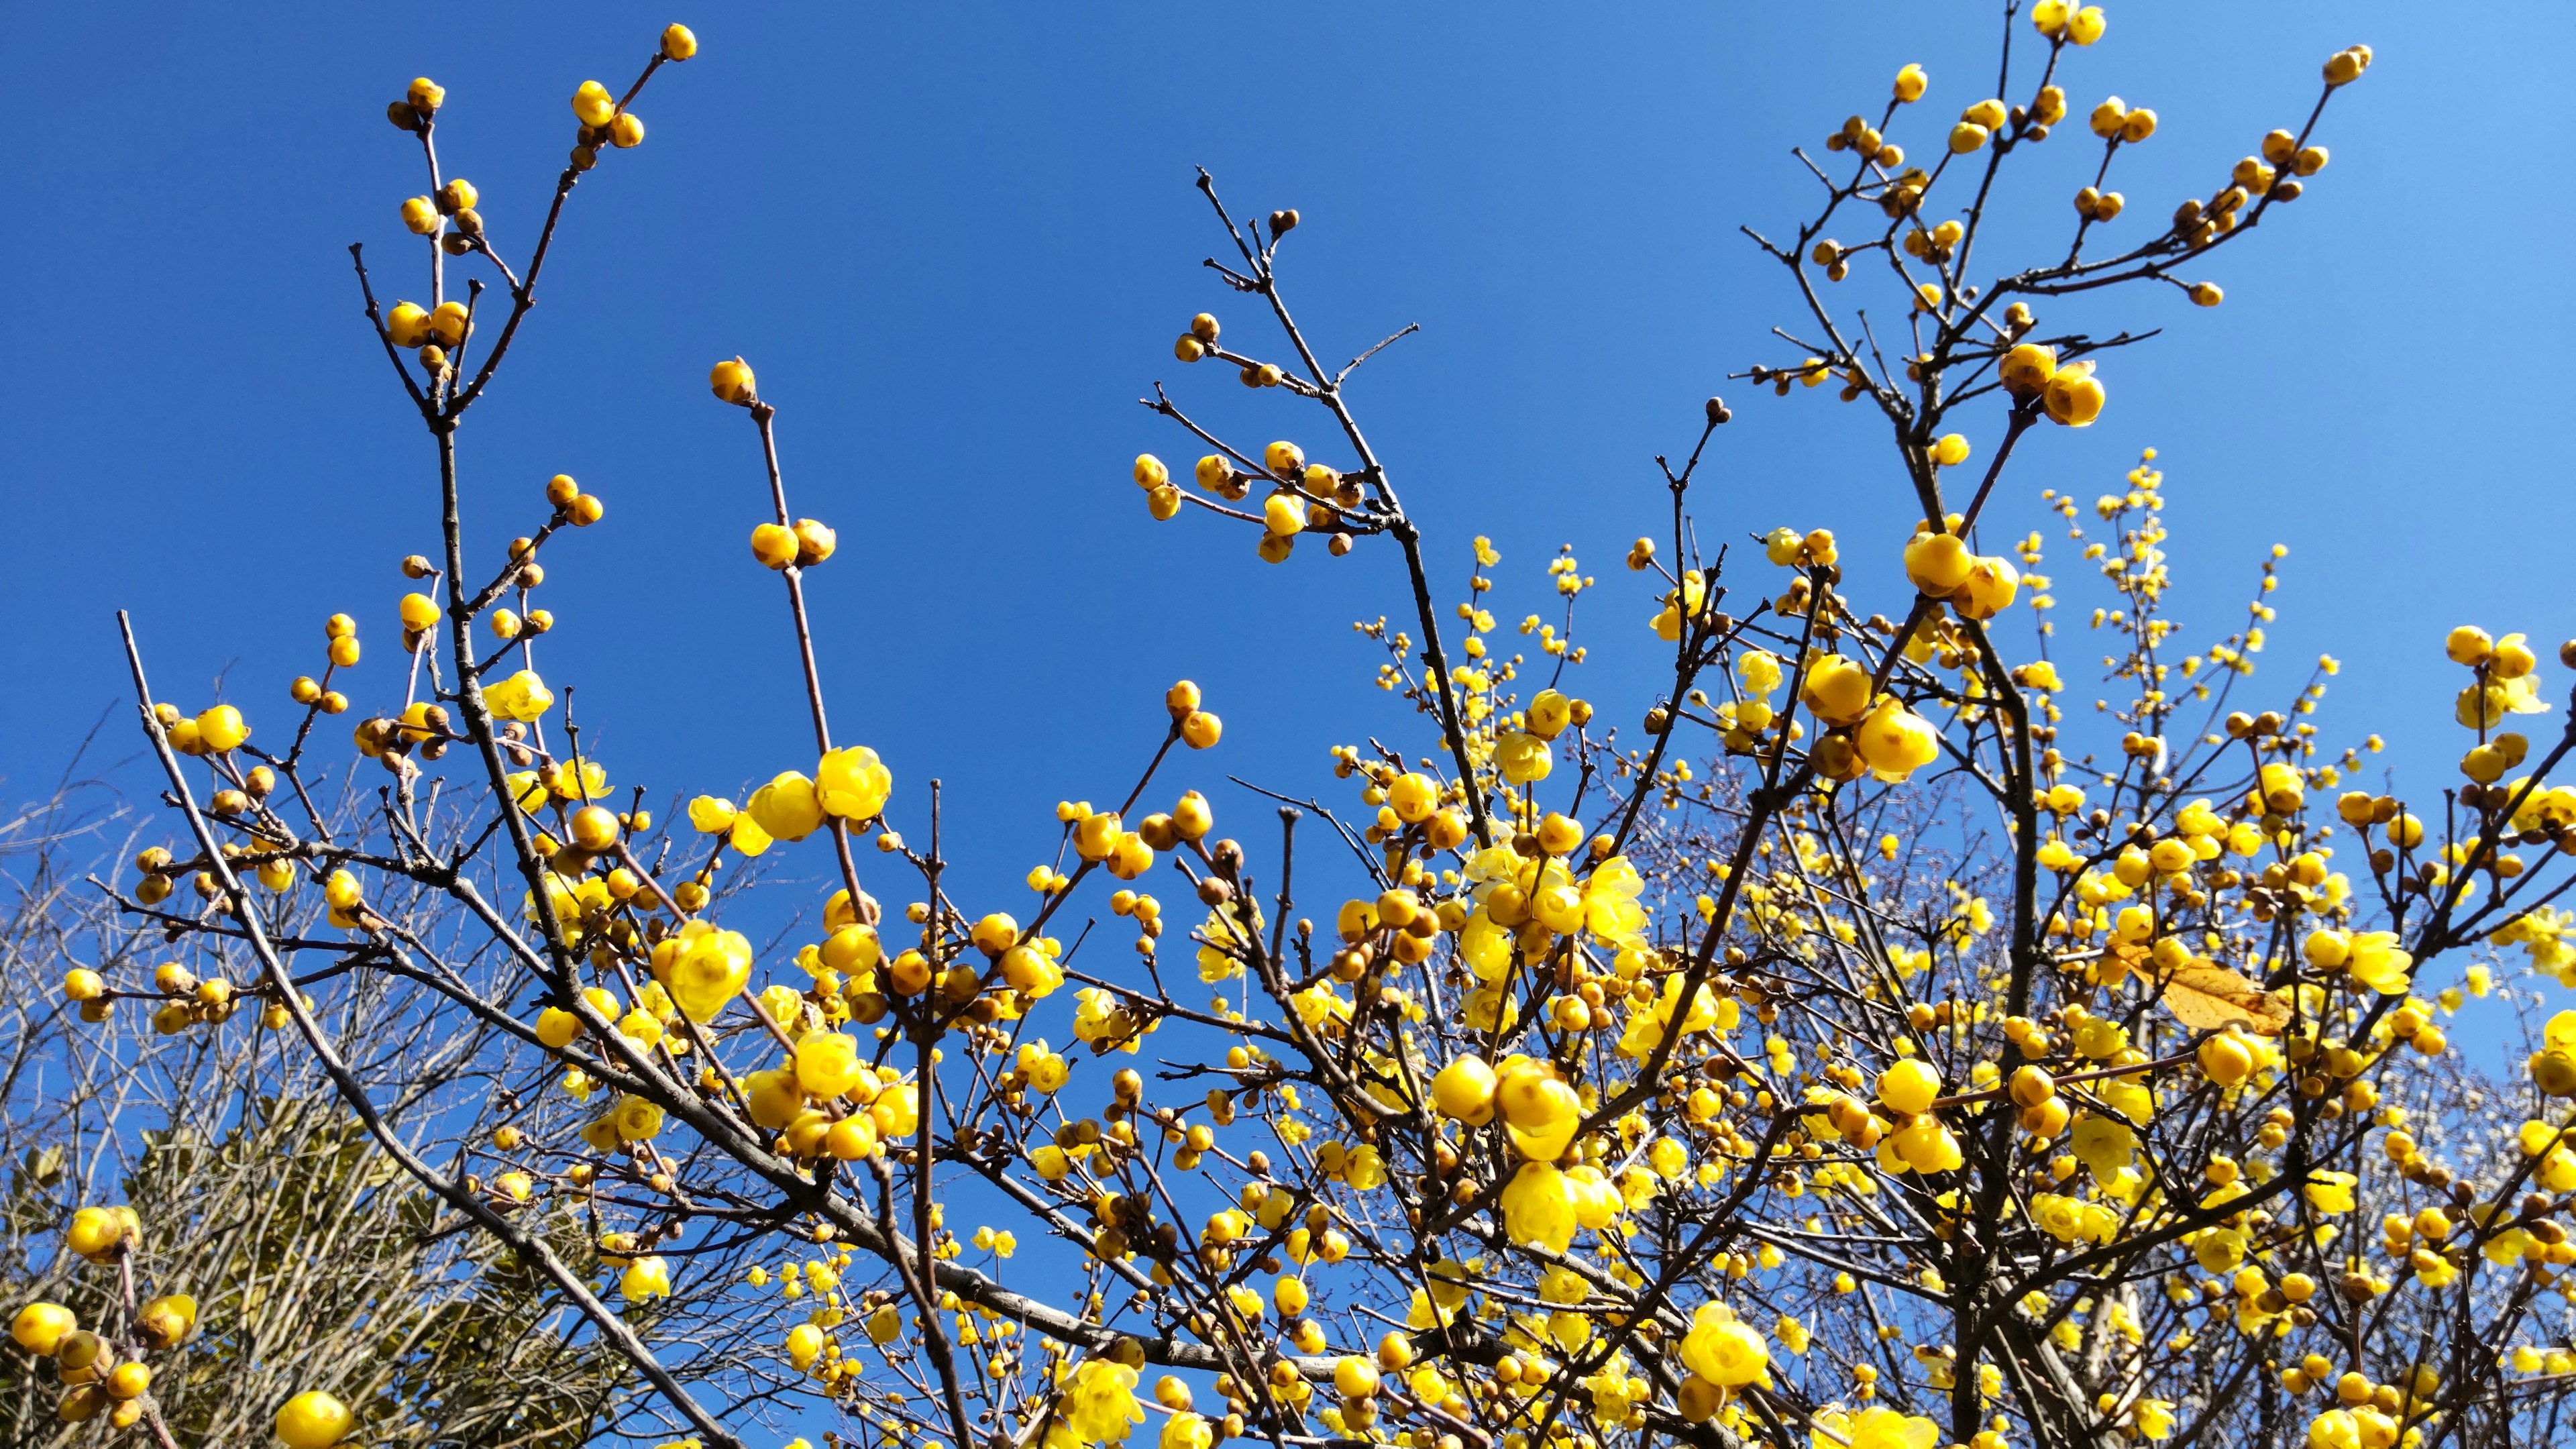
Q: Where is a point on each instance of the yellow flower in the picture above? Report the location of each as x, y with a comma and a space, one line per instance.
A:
1100, 1403
2027, 369
2103, 1144
852, 783
1523, 757
1760, 671
593, 104
1540, 1110
2073, 395
636, 1119
1895, 742
522, 697
1989, 589
787, 807
2334, 1429
41, 1327
1464, 1089
707, 968
2376, 962
1538, 1206
1938, 563
1872, 1428
645, 1278
220, 729
1909, 1087
1724, 1351
732, 380
313, 1420
1837, 690
2330, 1192
827, 1064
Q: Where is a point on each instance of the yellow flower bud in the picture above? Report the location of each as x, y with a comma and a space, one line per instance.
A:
732, 381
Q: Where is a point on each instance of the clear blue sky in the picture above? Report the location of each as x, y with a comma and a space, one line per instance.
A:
956, 241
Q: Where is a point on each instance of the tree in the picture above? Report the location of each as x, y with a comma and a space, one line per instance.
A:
1875, 1048
306, 1252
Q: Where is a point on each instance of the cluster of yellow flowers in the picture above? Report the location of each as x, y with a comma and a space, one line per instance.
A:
102, 1370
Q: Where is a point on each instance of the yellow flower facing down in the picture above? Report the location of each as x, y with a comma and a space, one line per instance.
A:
852, 784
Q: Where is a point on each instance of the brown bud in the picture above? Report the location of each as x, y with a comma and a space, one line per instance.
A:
403, 116
1283, 221
1717, 411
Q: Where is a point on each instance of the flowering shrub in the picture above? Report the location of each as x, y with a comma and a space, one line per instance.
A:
1856, 1050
